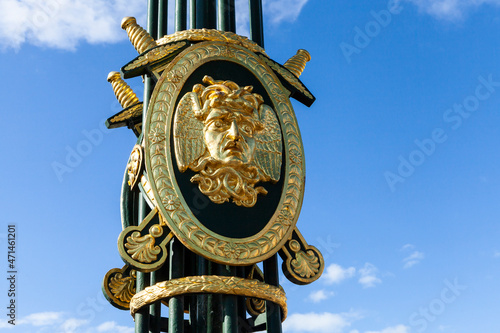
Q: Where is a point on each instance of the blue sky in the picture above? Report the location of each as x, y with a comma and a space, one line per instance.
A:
403, 181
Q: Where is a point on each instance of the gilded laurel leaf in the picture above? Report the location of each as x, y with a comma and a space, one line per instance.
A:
123, 288
209, 284
306, 264
197, 35
142, 248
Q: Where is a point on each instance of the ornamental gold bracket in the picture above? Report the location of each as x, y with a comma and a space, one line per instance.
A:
118, 286
302, 263
144, 247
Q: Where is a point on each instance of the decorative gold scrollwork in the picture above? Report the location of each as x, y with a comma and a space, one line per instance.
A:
144, 247
119, 286
212, 284
302, 263
255, 306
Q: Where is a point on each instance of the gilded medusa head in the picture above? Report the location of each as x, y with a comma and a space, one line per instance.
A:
230, 138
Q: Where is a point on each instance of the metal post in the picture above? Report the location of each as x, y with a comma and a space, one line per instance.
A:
152, 27
226, 19
242, 309
142, 316
192, 14
219, 311
176, 304
154, 310
273, 312
180, 15
205, 14
201, 316
162, 18
211, 15
161, 30
256, 25
229, 304
214, 303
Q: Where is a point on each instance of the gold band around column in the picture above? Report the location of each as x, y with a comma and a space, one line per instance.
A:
209, 284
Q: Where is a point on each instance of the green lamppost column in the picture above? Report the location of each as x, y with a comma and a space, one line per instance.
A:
215, 183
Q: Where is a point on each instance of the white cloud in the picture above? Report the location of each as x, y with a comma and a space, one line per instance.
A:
111, 326
413, 259
72, 324
394, 329
368, 276
319, 322
62, 24
407, 247
450, 9
274, 11
282, 10
336, 274
320, 295
61, 322
41, 319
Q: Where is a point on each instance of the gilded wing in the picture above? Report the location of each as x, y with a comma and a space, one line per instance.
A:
188, 132
268, 153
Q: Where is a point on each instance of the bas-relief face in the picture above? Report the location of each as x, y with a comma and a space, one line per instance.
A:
229, 136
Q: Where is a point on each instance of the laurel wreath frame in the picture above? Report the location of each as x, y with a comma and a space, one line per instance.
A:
160, 166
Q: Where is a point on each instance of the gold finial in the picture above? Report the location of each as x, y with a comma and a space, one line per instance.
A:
140, 38
123, 92
297, 63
